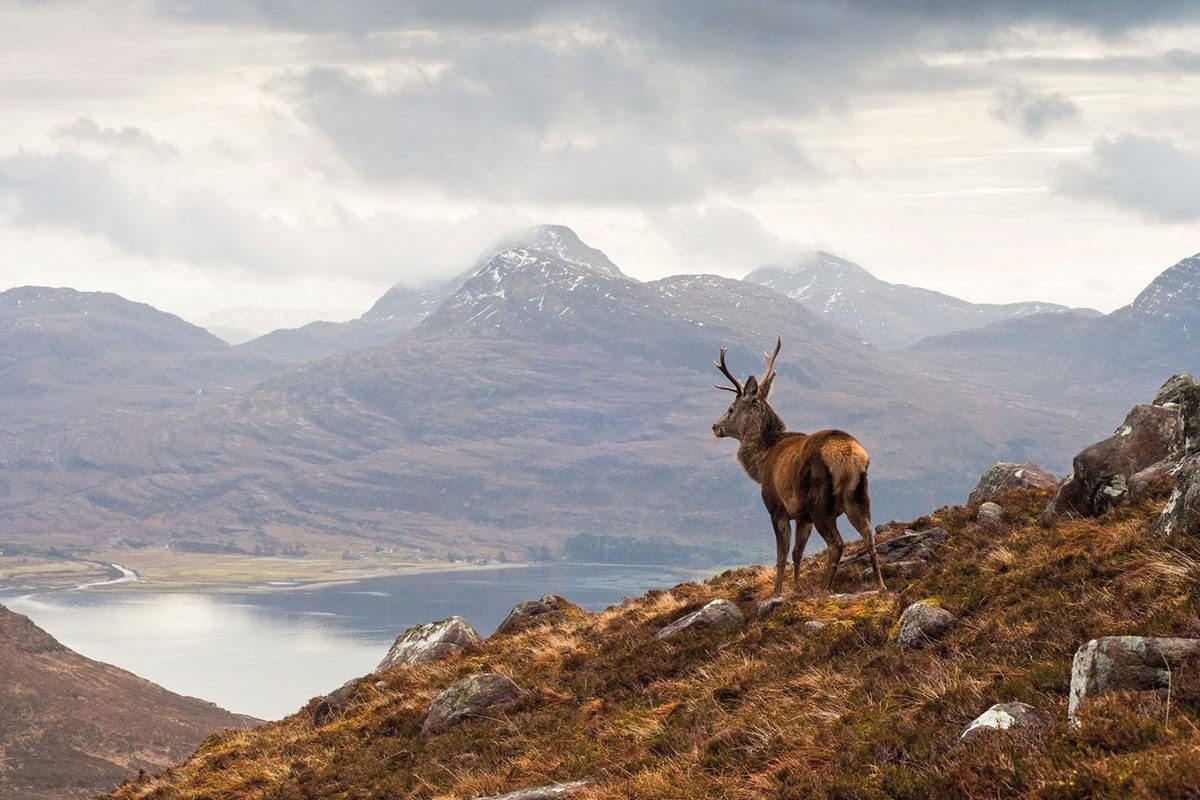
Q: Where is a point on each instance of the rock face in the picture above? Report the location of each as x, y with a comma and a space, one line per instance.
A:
717, 614
1145, 663
1182, 513
989, 513
541, 792
335, 703
923, 622
999, 717
430, 642
1183, 391
1101, 474
905, 555
475, 696
1004, 476
547, 608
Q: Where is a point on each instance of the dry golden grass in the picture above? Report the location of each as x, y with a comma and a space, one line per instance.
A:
772, 711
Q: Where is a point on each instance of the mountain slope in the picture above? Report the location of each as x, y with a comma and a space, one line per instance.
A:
889, 315
72, 727
66, 354
775, 709
542, 399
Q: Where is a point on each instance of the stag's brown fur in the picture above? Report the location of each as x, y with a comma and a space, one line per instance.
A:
810, 478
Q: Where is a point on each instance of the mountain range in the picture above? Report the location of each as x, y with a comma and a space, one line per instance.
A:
72, 727
542, 394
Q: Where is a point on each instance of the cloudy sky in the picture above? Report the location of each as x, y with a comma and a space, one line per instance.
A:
307, 154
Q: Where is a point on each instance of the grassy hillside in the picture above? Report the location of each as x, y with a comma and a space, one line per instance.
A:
768, 710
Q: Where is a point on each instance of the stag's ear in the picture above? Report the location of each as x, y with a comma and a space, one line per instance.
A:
751, 386
764, 389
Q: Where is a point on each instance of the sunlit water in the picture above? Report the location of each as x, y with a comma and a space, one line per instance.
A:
266, 653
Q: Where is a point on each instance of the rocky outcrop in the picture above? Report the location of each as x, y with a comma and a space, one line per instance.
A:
923, 622
541, 792
1183, 392
1182, 513
335, 703
903, 556
478, 695
999, 717
1101, 473
989, 513
1144, 663
547, 608
716, 614
430, 642
1004, 476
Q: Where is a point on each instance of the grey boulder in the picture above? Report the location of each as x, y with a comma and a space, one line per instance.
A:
430, 642
716, 614
1144, 663
1182, 513
923, 622
335, 703
989, 514
1004, 476
478, 695
769, 606
547, 608
540, 792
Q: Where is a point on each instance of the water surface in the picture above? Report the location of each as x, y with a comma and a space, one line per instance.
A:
265, 653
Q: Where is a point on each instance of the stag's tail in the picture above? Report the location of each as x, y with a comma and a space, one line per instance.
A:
848, 462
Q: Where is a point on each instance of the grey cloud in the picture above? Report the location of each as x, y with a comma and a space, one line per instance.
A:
85, 129
1150, 175
1032, 111
721, 238
67, 191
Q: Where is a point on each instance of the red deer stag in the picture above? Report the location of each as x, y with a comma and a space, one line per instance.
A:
810, 478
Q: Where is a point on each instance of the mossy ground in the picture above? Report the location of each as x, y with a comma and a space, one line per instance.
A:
768, 711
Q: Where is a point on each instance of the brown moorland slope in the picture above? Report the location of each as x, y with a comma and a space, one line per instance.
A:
71, 726
774, 709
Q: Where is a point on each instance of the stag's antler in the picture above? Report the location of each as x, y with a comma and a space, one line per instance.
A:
769, 369
725, 371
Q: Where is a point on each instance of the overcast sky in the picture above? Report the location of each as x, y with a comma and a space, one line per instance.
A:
286, 153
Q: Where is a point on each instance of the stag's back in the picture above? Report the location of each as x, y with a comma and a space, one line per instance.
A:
818, 467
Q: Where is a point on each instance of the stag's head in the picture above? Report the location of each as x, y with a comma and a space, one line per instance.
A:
749, 413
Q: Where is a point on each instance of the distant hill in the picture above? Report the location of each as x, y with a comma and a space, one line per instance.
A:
72, 727
545, 397
243, 323
889, 315
66, 354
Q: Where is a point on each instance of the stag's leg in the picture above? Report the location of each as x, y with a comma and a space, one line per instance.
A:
783, 535
803, 530
860, 518
827, 526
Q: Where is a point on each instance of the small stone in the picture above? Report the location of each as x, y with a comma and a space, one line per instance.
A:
1000, 717
923, 622
429, 642
547, 608
717, 614
989, 514
769, 606
541, 792
335, 703
478, 695
814, 626
1146, 663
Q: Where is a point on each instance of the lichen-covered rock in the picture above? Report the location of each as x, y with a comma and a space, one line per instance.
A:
541, 792
430, 642
335, 703
1004, 476
769, 606
1101, 472
478, 695
1144, 663
999, 717
716, 614
1182, 512
989, 513
1154, 478
897, 569
1183, 392
547, 608
923, 622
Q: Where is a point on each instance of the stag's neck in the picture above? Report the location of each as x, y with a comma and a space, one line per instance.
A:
753, 450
